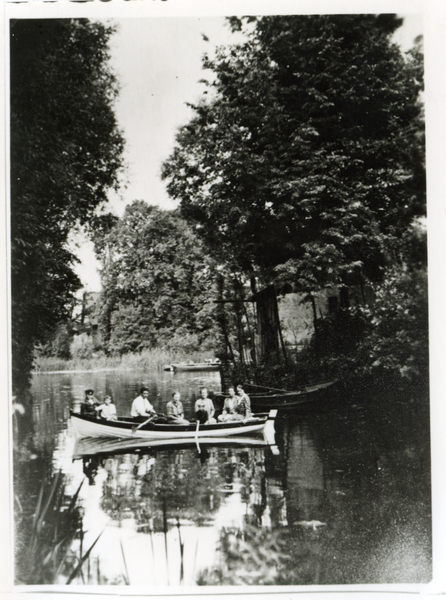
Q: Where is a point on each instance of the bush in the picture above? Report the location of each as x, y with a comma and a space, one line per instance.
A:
82, 346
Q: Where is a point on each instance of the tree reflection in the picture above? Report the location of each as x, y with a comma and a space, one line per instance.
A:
186, 487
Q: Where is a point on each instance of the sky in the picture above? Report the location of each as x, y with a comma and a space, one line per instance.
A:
158, 64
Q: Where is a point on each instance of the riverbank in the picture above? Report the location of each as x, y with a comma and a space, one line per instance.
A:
156, 358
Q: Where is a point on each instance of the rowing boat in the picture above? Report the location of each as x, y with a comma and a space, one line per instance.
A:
290, 400
124, 427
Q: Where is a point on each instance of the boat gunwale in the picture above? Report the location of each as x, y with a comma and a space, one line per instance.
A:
170, 427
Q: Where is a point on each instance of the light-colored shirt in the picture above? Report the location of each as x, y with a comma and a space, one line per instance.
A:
205, 404
107, 411
174, 409
141, 407
230, 405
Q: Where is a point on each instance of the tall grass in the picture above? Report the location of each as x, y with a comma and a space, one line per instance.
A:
141, 361
45, 533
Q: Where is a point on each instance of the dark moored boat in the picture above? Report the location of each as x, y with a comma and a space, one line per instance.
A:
290, 400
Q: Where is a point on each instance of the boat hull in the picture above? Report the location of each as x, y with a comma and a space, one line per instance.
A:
290, 400
86, 426
195, 367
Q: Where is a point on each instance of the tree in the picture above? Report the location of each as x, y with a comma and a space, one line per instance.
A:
157, 282
66, 152
307, 160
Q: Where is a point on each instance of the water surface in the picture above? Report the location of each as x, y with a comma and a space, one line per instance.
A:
345, 499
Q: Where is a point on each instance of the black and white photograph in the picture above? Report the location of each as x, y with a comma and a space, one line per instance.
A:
218, 354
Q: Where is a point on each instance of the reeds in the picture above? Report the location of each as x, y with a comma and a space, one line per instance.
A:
141, 361
45, 537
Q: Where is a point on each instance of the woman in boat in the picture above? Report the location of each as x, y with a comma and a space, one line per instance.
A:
141, 406
243, 403
107, 410
204, 408
90, 404
175, 411
230, 408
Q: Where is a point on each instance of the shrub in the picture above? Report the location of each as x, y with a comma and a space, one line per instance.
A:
82, 346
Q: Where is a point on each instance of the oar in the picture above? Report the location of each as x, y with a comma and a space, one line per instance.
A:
196, 435
136, 427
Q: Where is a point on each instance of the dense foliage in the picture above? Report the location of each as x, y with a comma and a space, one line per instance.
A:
66, 152
309, 153
305, 167
158, 283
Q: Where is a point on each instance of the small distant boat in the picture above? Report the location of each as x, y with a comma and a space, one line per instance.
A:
124, 427
212, 364
293, 399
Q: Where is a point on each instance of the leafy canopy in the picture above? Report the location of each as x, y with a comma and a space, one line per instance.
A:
307, 156
157, 282
66, 152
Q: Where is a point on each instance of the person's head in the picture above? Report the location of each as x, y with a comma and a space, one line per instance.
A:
231, 390
89, 393
144, 392
176, 396
107, 399
240, 390
204, 392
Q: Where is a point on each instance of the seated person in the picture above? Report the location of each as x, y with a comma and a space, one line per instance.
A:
107, 410
243, 403
141, 406
175, 411
230, 408
204, 408
89, 395
90, 404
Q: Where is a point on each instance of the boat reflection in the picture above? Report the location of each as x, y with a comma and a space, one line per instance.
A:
183, 494
87, 446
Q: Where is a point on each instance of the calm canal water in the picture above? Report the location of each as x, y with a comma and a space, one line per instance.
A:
342, 499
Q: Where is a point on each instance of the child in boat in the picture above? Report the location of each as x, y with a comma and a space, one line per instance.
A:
107, 410
90, 404
175, 411
204, 408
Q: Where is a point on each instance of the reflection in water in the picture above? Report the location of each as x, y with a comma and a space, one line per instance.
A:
305, 476
176, 502
347, 500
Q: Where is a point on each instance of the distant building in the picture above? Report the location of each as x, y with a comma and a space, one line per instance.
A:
297, 315
85, 317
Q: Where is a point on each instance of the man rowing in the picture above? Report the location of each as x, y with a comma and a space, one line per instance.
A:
141, 406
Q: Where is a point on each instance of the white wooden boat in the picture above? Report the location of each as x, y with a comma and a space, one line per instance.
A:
124, 427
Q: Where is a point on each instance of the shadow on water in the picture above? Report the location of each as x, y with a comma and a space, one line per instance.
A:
347, 500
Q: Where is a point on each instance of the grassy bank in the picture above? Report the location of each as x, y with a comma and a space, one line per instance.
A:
147, 359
